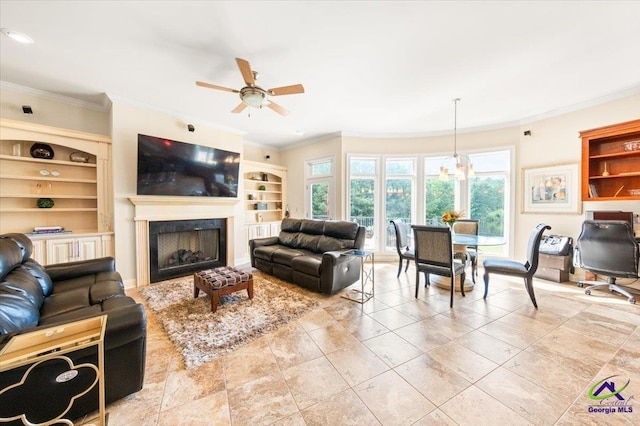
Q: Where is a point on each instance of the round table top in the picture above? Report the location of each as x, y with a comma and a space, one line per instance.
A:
476, 240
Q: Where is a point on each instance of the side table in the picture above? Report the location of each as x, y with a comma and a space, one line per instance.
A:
367, 276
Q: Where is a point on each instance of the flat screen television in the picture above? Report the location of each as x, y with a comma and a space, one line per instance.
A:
168, 167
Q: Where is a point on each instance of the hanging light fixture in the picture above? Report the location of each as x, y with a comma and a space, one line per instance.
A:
460, 173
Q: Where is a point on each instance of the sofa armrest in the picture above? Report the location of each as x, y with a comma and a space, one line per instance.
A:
259, 242
66, 271
268, 241
339, 270
125, 324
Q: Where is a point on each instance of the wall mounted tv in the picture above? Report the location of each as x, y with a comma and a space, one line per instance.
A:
167, 167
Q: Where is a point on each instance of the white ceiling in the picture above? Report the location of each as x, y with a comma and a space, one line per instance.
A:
368, 67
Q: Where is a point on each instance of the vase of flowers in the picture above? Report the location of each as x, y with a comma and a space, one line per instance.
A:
450, 217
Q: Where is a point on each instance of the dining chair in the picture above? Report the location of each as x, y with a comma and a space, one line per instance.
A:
517, 269
470, 227
434, 255
402, 244
609, 249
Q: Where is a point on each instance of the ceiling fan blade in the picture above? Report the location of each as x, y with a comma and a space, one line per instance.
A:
213, 86
239, 108
277, 108
247, 74
286, 90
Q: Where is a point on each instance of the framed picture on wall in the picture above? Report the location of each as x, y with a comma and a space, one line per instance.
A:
551, 189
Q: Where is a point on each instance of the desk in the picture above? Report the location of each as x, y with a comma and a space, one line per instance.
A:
367, 263
460, 244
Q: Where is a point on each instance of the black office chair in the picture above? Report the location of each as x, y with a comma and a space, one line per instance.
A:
516, 269
402, 244
607, 247
470, 227
434, 255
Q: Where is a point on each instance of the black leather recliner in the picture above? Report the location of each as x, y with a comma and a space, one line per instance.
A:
33, 297
311, 253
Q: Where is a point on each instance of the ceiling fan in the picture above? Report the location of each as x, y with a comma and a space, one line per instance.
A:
253, 95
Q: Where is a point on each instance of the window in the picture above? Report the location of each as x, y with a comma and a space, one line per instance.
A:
362, 196
488, 192
320, 194
399, 197
439, 196
417, 195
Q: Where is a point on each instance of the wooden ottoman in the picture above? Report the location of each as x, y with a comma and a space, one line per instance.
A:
220, 281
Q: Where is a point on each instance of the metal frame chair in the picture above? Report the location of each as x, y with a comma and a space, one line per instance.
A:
402, 244
516, 269
434, 255
607, 247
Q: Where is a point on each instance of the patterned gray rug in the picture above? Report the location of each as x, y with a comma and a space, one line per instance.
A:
201, 335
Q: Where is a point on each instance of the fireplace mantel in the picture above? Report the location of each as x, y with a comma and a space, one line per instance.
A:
156, 208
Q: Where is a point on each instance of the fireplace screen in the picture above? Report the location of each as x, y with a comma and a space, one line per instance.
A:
177, 249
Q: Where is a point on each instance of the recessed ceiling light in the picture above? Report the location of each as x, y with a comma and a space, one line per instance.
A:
17, 36
299, 132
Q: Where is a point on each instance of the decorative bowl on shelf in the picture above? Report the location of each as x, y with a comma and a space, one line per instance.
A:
632, 145
634, 192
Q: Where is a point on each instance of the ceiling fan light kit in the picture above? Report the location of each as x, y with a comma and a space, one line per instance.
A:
253, 95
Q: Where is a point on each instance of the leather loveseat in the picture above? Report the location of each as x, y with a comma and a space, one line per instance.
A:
311, 253
33, 297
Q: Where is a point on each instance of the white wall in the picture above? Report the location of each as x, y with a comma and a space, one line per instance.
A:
127, 122
52, 111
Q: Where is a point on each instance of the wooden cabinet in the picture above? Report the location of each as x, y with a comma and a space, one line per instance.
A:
73, 249
611, 162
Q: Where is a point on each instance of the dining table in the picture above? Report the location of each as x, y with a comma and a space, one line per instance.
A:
460, 243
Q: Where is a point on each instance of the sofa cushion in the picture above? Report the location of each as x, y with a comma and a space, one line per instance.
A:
16, 311
341, 230
284, 255
266, 252
21, 281
290, 225
312, 227
330, 244
310, 265
289, 239
24, 242
99, 292
75, 315
308, 242
60, 303
39, 273
11, 256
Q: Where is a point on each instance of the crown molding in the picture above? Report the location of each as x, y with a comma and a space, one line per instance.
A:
172, 113
102, 107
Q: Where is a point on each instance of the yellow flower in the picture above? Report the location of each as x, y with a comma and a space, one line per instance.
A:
450, 216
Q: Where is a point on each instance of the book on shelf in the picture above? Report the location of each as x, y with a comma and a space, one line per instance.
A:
62, 231
593, 192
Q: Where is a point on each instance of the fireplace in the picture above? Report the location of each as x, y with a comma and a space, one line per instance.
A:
182, 247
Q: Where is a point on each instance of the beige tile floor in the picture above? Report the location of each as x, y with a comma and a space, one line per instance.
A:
398, 360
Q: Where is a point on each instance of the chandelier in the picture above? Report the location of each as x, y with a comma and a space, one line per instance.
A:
460, 173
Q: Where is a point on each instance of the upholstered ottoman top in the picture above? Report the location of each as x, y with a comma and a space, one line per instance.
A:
224, 276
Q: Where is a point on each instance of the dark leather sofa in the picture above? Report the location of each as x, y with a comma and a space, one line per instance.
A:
33, 297
310, 253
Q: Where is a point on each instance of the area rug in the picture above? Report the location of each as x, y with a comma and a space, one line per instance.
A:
201, 335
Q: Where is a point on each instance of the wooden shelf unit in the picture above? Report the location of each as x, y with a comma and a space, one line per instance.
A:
82, 192
607, 145
273, 194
